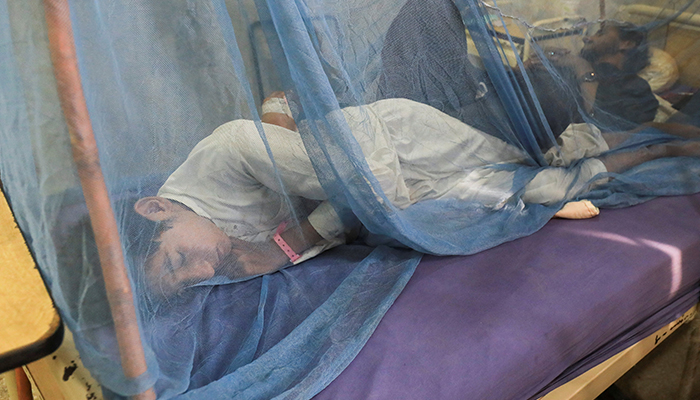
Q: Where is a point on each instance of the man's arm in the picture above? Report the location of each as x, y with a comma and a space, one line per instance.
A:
323, 224
676, 129
266, 257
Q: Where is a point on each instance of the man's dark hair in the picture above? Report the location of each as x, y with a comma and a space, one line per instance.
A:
636, 58
80, 276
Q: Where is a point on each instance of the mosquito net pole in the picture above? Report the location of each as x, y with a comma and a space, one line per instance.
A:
601, 6
104, 224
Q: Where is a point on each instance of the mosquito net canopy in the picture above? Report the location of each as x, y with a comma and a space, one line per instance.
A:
275, 169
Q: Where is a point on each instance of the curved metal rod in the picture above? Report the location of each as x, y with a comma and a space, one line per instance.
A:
653, 25
104, 224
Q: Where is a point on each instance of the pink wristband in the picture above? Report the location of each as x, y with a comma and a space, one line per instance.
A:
293, 256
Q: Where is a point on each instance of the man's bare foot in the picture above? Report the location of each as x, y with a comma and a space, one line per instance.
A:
581, 209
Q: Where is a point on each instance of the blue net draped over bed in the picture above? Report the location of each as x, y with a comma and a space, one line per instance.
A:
419, 126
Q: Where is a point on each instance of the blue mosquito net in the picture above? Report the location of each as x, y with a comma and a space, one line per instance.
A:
278, 167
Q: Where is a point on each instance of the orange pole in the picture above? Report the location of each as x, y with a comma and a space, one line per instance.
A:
104, 224
24, 388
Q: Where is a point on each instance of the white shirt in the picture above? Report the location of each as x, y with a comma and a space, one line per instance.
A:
415, 152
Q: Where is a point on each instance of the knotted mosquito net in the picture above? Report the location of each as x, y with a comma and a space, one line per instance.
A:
276, 168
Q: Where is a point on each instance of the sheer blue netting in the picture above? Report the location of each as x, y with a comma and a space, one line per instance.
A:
393, 129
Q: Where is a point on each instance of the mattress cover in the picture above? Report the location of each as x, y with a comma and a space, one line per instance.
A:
515, 321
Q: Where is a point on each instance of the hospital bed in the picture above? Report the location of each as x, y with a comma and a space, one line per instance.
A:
521, 319
561, 314
518, 320
515, 321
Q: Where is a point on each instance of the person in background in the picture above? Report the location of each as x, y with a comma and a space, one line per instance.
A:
425, 58
617, 52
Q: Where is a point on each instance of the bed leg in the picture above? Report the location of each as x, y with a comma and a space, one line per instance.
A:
690, 370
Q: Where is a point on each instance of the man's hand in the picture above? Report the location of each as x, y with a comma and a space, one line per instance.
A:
253, 259
276, 111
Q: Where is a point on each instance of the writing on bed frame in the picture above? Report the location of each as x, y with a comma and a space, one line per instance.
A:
675, 324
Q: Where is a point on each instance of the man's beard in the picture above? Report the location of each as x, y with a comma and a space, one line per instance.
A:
589, 55
593, 55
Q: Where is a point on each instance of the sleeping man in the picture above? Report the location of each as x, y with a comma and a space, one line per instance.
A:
618, 51
225, 210
425, 58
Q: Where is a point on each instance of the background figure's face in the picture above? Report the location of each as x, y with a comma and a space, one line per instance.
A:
190, 252
603, 43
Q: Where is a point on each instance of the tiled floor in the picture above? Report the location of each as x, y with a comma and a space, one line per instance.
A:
657, 376
60, 375
4, 395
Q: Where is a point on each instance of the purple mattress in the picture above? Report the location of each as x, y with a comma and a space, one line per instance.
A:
515, 321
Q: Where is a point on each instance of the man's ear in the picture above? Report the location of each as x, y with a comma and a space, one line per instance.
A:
155, 208
627, 45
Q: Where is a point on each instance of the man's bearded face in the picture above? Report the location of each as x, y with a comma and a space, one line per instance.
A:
604, 42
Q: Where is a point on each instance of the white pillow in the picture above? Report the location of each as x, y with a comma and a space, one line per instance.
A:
662, 71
